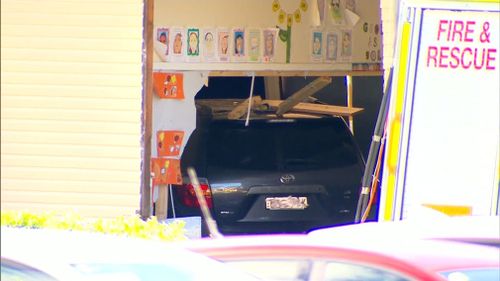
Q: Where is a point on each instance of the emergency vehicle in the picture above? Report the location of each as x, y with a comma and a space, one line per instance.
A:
441, 138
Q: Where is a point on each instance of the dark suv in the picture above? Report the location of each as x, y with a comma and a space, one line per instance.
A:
278, 174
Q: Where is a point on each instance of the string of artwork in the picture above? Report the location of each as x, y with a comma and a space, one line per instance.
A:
238, 44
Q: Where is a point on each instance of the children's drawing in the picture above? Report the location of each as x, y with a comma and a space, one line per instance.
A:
169, 85
166, 171
223, 43
331, 46
169, 143
208, 44
161, 44
177, 41
286, 34
269, 35
193, 44
336, 11
254, 38
239, 43
346, 50
316, 45
162, 37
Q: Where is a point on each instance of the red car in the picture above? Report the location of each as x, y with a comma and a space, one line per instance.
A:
303, 257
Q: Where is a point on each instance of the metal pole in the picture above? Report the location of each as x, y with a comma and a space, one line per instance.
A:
372, 154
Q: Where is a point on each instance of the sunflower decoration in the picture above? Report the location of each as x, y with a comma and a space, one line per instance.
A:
297, 16
303, 5
276, 5
286, 34
281, 17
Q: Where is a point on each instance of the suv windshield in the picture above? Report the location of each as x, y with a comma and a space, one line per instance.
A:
284, 145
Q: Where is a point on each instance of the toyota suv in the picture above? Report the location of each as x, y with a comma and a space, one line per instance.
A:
279, 174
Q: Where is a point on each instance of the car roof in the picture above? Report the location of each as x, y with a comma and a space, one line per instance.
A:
56, 252
411, 254
473, 229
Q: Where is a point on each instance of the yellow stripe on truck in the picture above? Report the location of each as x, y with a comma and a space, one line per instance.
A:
395, 124
451, 210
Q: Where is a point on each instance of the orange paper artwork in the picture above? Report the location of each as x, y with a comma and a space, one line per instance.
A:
166, 171
169, 143
169, 85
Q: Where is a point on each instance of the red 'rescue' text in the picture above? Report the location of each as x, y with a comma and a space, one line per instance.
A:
457, 50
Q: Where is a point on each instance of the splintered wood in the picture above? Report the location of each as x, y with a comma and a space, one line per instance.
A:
317, 108
241, 108
302, 94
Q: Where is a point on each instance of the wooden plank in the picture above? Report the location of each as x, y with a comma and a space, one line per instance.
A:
294, 73
147, 133
241, 108
161, 206
349, 100
272, 87
318, 108
302, 94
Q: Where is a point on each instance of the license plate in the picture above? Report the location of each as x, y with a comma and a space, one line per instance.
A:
286, 203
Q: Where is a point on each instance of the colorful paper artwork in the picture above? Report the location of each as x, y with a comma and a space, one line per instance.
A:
346, 46
169, 85
162, 36
239, 51
161, 43
209, 44
178, 48
193, 45
223, 44
336, 11
254, 45
166, 171
316, 45
169, 143
332, 39
269, 37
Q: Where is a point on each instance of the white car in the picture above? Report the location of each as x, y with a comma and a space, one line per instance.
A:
42, 254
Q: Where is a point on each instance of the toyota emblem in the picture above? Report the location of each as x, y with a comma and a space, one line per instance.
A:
287, 179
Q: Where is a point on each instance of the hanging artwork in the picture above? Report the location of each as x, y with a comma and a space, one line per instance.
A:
321, 10
270, 37
177, 42
161, 44
169, 143
316, 45
168, 85
223, 44
332, 39
239, 51
336, 11
166, 171
208, 44
193, 45
286, 34
254, 43
346, 46
350, 5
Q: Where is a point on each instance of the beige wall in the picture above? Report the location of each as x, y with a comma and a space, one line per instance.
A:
71, 82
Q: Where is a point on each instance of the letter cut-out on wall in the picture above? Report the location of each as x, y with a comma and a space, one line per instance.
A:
169, 85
